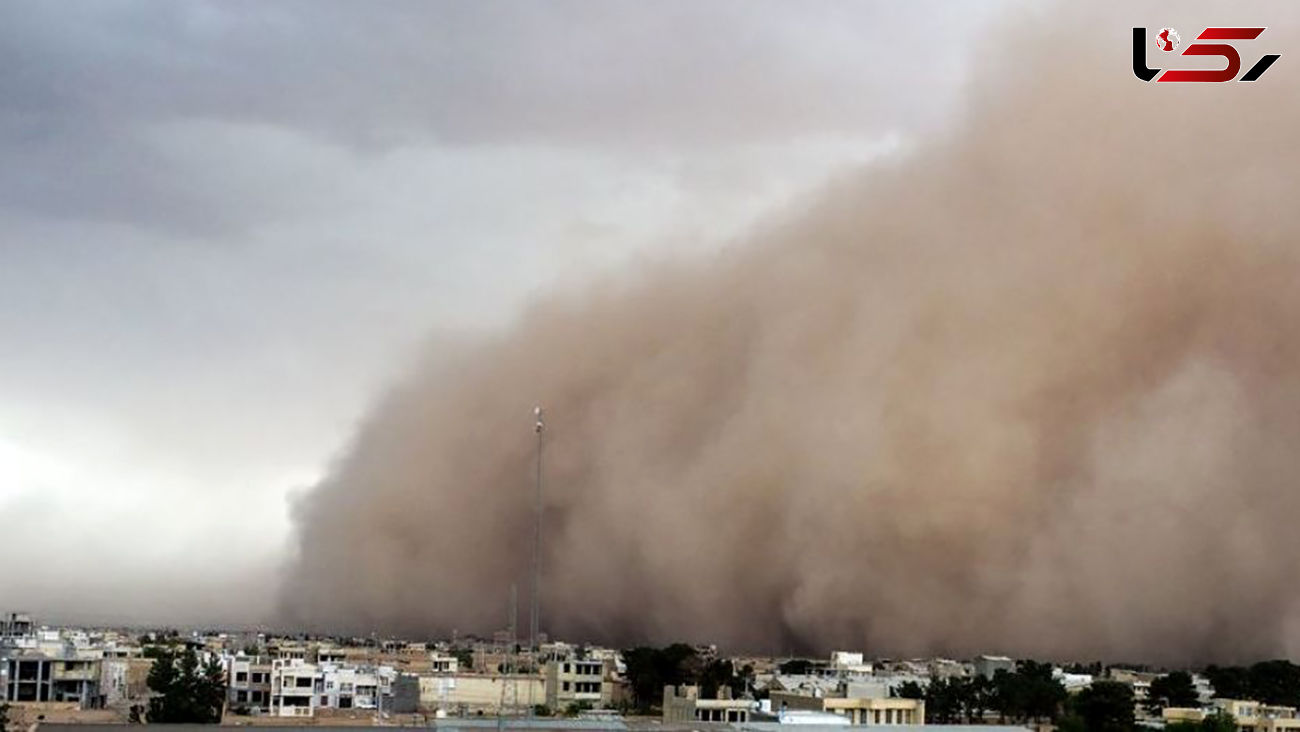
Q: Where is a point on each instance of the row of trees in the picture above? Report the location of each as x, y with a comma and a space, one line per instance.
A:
1105, 706
1270, 682
650, 669
1028, 693
1174, 689
185, 691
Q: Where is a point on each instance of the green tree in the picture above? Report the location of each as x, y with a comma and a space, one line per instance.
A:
1217, 722
1043, 695
976, 694
1229, 682
943, 701
649, 670
185, 691
1220, 721
1271, 682
1274, 682
795, 666
1106, 706
1071, 722
908, 690
4, 715
718, 673
1028, 693
1172, 690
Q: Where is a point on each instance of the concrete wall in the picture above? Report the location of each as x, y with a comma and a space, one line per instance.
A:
473, 692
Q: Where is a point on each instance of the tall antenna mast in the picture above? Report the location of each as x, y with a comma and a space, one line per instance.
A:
535, 614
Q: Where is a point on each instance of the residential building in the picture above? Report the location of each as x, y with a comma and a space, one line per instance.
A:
16, 625
584, 683
944, 668
987, 666
443, 663
1073, 682
295, 686
356, 688
40, 678
249, 685
1250, 716
683, 704
124, 681
846, 662
858, 710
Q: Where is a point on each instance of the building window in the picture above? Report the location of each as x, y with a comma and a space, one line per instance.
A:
566, 686
241, 676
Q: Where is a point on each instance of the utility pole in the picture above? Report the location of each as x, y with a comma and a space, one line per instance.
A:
535, 611
509, 677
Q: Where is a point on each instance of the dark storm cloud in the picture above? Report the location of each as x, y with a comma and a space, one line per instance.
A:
487, 71
108, 107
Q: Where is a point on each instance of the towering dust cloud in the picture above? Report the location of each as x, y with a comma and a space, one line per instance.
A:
1034, 387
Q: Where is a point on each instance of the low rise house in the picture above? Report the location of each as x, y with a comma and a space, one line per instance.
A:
1250, 716
858, 710
443, 663
849, 662
684, 704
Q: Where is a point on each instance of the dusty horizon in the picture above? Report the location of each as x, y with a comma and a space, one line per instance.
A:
914, 329
1027, 386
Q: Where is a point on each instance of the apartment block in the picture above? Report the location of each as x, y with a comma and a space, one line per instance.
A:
571, 682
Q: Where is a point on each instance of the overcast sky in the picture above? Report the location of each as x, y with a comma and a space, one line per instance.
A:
226, 226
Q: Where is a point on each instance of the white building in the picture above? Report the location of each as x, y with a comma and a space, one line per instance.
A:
248, 682
849, 662
356, 688
443, 663
295, 687
299, 689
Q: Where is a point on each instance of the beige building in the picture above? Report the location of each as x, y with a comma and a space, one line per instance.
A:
570, 682
859, 710
443, 663
1250, 716
467, 694
683, 704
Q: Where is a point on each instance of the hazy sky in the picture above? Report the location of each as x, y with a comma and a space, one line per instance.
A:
225, 227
